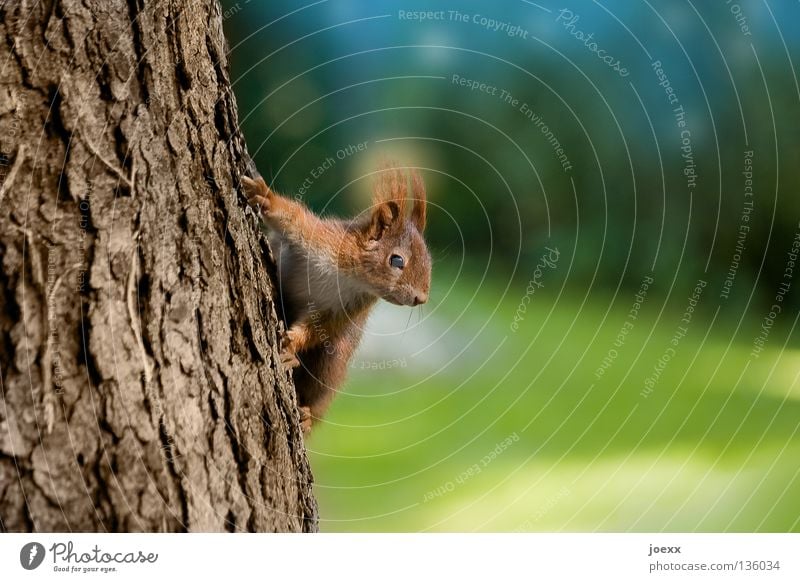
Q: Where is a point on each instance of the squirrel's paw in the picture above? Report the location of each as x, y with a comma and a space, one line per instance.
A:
258, 193
289, 349
289, 358
305, 418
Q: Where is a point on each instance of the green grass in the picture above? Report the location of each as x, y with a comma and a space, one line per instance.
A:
714, 447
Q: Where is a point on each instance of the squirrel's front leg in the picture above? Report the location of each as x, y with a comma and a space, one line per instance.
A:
299, 337
290, 217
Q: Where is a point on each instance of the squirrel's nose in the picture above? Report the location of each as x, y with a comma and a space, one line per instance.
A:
420, 298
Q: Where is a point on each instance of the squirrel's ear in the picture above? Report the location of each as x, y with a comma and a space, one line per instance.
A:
383, 217
420, 209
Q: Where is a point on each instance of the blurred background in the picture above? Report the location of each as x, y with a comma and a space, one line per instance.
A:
610, 343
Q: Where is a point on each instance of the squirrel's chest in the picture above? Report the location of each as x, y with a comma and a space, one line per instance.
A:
313, 282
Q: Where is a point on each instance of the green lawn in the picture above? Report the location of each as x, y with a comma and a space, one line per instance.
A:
486, 429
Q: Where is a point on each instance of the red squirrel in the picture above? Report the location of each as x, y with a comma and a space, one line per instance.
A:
331, 273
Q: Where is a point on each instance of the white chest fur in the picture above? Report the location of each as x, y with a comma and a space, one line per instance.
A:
313, 280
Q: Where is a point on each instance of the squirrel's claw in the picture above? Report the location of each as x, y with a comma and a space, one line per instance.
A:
258, 193
289, 348
289, 359
305, 418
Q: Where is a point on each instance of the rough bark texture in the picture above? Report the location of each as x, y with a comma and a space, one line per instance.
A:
138, 338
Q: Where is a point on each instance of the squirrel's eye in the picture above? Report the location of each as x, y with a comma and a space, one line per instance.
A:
397, 261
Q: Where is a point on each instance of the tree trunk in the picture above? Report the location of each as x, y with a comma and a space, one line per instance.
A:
138, 337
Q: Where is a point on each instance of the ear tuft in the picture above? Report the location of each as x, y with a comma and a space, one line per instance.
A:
420, 210
391, 184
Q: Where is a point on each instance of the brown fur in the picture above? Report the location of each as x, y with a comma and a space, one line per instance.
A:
332, 271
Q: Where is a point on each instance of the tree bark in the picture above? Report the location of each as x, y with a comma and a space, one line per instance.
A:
139, 374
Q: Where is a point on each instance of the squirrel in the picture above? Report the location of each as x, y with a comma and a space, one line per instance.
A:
331, 273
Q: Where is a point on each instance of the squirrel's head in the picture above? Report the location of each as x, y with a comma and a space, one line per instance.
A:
397, 261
